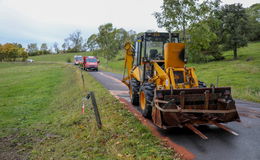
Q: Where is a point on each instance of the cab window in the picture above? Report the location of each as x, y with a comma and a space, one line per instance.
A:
136, 53
154, 50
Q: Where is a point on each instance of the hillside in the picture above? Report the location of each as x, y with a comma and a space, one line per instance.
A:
243, 75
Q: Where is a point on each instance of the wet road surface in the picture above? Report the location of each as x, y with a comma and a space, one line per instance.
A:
221, 144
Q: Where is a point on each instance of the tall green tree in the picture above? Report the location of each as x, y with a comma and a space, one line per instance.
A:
1, 54
200, 42
205, 34
177, 15
193, 19
56, 47
32, 49
106, 39
131, 35
65, 45
75, 41
44, 47
235, 26
18, 45
253, 13
92, 42
22, 53
121, 37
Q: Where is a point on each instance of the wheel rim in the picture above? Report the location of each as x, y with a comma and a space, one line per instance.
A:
142, 101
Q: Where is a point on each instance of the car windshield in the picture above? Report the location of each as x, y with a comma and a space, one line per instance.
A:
78, 58
91, 60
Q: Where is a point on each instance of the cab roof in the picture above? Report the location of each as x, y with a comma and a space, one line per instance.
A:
157, 36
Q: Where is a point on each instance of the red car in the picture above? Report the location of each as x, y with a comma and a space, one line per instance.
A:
90, 63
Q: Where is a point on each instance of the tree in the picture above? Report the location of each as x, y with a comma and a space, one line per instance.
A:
74, 42
32, 49
92, 42
235, 26
200, 47
193, 19
106, 39
2, 55
22, 53
64, 46
205, 34
9, 52
131, 35
177, 15
56, 47
253, 13
44, 47
121, 37
18, 45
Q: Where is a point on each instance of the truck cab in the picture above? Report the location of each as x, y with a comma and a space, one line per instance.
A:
90, 63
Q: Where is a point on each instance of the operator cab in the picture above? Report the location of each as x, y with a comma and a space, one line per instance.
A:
151, 46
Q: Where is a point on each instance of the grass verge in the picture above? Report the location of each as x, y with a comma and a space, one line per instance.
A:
243, 75
40, 118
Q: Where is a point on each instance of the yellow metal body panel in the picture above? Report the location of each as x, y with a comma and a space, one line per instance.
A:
128, 62
136, 73
172, 53
160, 78
163, 78
167, 79
129, 57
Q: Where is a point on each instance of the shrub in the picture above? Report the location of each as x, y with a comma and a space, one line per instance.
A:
68, 60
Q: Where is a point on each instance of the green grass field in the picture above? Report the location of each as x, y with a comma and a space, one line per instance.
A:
40, 118
112, 66
58, 57
243, 75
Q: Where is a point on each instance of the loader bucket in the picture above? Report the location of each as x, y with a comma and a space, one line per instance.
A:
193, 106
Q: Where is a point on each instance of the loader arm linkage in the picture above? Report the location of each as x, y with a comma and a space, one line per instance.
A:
128, 63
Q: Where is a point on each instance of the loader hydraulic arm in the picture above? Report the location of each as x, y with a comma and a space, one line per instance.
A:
129, 58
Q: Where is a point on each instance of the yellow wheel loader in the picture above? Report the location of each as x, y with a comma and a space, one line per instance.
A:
168, 92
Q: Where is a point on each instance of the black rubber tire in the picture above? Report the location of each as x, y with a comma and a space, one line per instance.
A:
135, 86
148, 89
202, 84
97, 69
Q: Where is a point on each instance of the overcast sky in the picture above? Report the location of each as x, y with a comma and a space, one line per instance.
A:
39, 21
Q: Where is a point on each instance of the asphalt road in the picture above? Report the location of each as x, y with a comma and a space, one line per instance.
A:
221, 145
